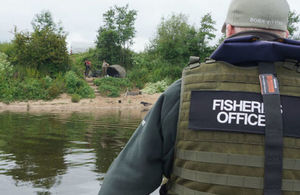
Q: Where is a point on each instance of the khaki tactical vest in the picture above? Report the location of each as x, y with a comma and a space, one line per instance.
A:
225, 162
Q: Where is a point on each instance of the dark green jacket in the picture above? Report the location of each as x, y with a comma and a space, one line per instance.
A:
148, 155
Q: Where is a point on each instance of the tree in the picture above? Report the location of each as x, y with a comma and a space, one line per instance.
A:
7, 48
206, 34
116, 35
176, 40
107, 47
43, 21
293, 21
124, 22
45, 49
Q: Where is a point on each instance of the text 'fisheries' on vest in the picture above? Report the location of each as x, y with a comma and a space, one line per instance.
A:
239, 112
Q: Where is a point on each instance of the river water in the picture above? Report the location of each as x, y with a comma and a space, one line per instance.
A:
67, 153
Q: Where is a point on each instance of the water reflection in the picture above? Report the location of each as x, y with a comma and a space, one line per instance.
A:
60, 153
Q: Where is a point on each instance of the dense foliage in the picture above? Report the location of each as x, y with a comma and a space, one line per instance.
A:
115, 36
76, 85
44, 49
112, 87
35, 87
30, 88
176, 40
75, 98
158, 87
169, 51
8, 48
34, 64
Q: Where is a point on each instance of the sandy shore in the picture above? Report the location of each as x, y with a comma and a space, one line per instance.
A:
64, 104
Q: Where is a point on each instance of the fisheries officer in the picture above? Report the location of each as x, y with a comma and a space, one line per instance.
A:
224, 128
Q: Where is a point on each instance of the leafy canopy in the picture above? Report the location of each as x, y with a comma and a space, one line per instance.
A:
176, 40
116, 35
44, 49
121, 20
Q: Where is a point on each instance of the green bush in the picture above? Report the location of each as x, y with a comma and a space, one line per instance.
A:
112, 87
139, 77
12, 89
150, 67
56, 88
75, 98
142, 66
44, 49
109, 90
72, 82
168, 72
46, 88
47, 81
8, 48
53, 92
76, 85
86, 91
97, 82
121, 82
7, 88
30, 89
157, 87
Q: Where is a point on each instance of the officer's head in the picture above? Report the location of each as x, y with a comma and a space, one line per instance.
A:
263, 15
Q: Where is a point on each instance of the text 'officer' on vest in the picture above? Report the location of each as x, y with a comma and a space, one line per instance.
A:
239, 112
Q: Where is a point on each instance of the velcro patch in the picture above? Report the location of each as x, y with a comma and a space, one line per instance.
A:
268, 84
239, 112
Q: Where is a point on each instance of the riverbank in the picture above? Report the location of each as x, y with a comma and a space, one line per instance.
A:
64, 104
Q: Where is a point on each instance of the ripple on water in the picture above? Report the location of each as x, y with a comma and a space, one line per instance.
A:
59, 153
